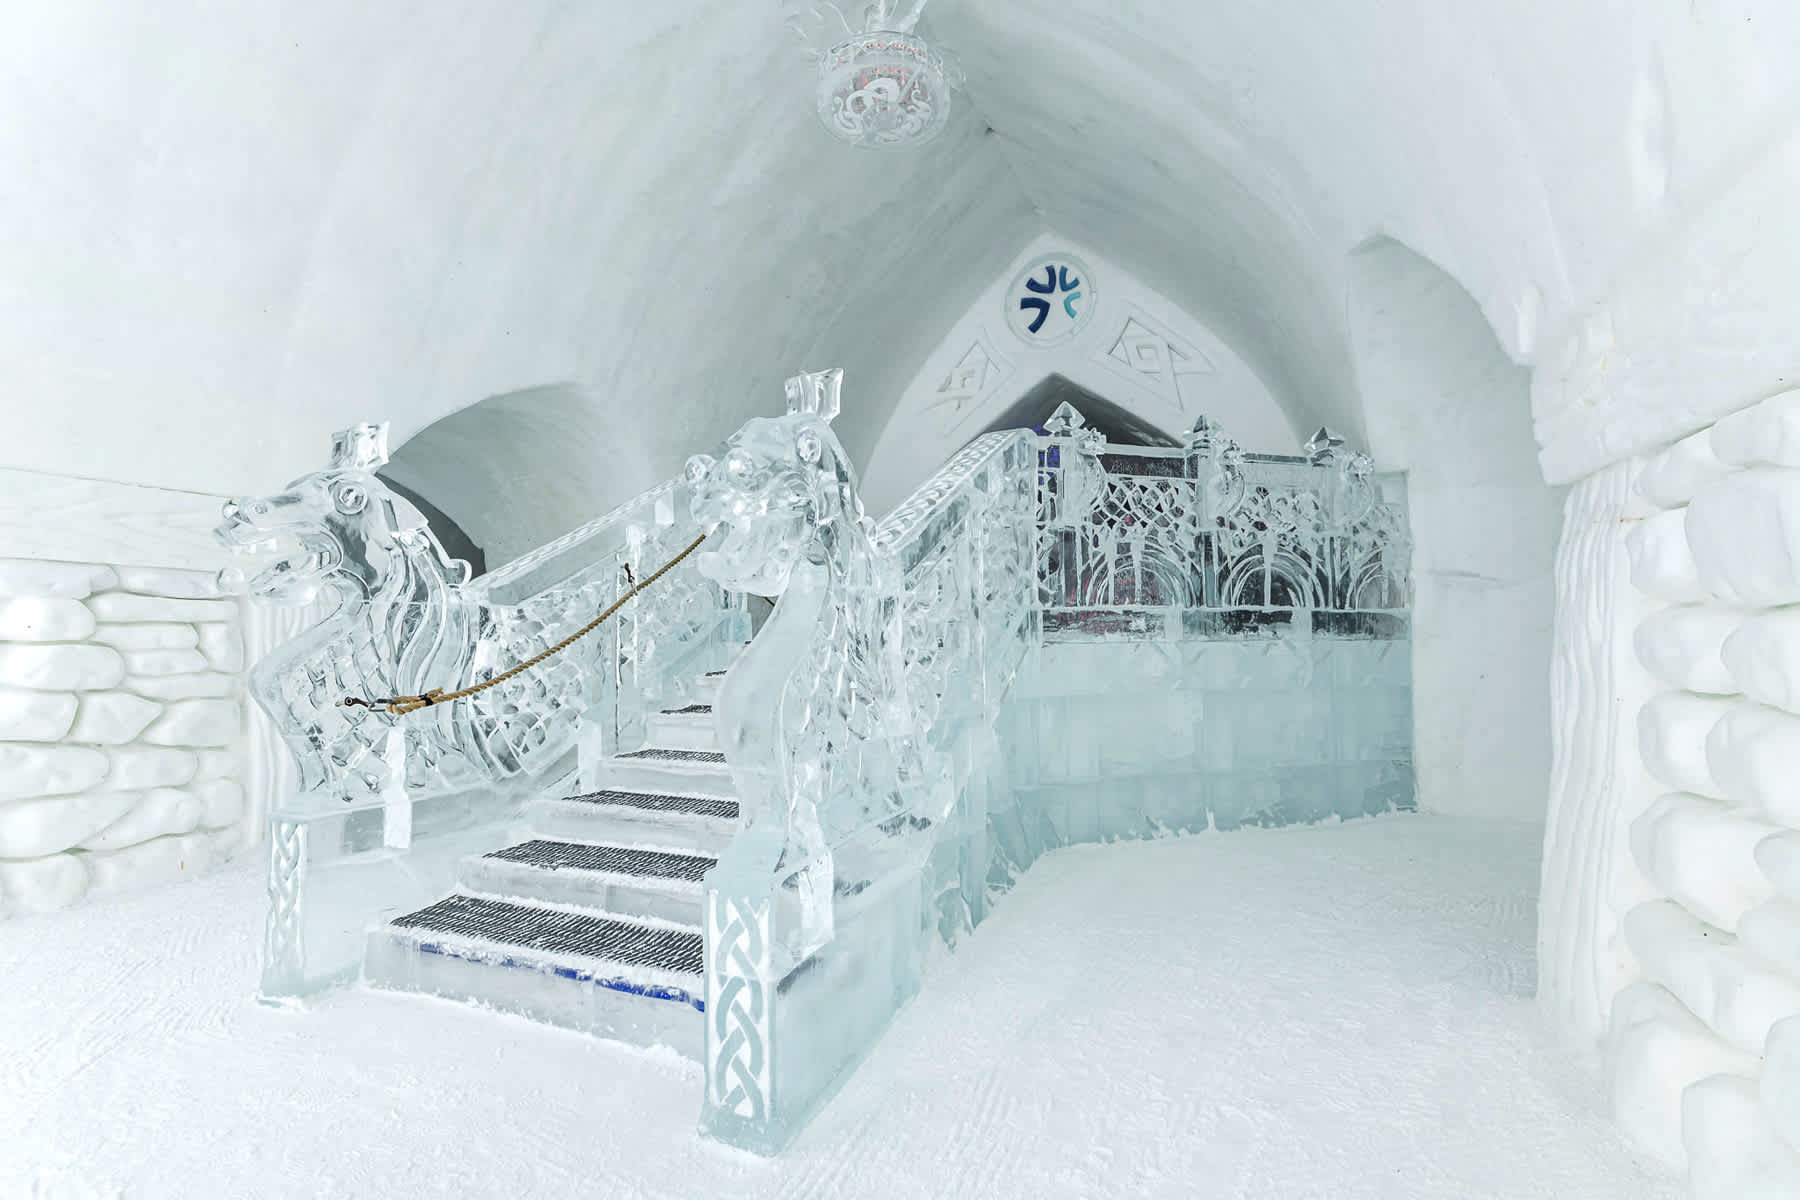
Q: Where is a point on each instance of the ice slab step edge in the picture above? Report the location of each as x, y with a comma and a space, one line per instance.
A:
706, 688
628, 881
687, 728
665, 769
703, 822
634, 981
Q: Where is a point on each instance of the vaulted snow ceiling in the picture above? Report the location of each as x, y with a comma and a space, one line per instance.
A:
234, 228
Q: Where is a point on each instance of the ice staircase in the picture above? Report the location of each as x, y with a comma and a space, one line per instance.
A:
594, 923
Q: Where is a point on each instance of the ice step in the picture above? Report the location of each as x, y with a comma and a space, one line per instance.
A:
706, 688
624, 880
634, 981
687, 728
664, 769
703, 822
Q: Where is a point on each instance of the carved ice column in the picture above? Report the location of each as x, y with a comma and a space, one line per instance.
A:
740, 1019
274, 785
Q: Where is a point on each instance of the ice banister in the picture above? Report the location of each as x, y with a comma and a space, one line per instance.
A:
851, 726
864, 726
381, 819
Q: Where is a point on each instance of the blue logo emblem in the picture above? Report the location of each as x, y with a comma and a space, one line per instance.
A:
1050, 300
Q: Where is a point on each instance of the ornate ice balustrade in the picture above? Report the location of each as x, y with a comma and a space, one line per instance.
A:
1208, 541
388, 804
894, 734
857, 727
887, 806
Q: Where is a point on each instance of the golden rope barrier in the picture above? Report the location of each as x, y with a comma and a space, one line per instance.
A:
401, 705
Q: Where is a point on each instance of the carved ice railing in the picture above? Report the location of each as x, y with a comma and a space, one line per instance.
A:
964, 546
1206, 540
1017, 538
387, 803
960, 619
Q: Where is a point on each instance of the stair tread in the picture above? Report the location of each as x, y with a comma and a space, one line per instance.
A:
699, 806
666, 754
553, 855
559, 931
687, 710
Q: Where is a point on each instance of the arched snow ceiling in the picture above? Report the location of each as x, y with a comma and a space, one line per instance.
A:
234, 228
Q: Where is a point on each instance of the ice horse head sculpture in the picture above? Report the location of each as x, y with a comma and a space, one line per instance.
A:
343, 530
404, 624
813, 718
400, 625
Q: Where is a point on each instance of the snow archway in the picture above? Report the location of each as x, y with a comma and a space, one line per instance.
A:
1445, 405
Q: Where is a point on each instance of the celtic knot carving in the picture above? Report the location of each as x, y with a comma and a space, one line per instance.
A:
739, 1016
283, 950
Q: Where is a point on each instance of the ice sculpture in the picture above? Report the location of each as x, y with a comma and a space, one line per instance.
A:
864, 726
1172, 535
892, 763
408, 622
836, 728
880, 85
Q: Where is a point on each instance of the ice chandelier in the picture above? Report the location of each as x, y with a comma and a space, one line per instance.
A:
879, 84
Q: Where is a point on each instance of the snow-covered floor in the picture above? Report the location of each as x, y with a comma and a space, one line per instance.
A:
1327, 1013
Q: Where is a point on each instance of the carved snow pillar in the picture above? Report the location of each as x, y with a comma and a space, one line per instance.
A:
1598, 785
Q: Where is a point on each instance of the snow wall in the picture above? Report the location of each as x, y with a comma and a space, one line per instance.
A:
1670, 908
129, 750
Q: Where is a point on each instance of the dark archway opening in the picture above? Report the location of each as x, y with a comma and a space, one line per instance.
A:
450, 535
1120, 426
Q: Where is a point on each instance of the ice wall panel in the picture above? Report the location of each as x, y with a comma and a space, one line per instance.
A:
1180, 736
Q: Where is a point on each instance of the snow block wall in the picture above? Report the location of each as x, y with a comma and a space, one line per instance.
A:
121, 723
127, 752
1705, 1050
1671, 910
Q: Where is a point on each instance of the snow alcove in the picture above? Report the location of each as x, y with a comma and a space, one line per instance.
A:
1281, 680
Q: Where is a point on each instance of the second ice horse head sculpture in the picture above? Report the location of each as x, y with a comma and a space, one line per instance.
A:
812, 718
781, 493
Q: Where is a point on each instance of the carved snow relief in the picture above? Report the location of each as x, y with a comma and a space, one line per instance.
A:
1156, 357
974, 377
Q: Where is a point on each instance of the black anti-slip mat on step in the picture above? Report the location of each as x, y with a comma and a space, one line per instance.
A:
696, 806
612, 860
528, 927
660, 754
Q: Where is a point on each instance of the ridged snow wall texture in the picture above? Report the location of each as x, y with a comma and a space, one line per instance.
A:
128, 752
1687, 876
1598, 785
